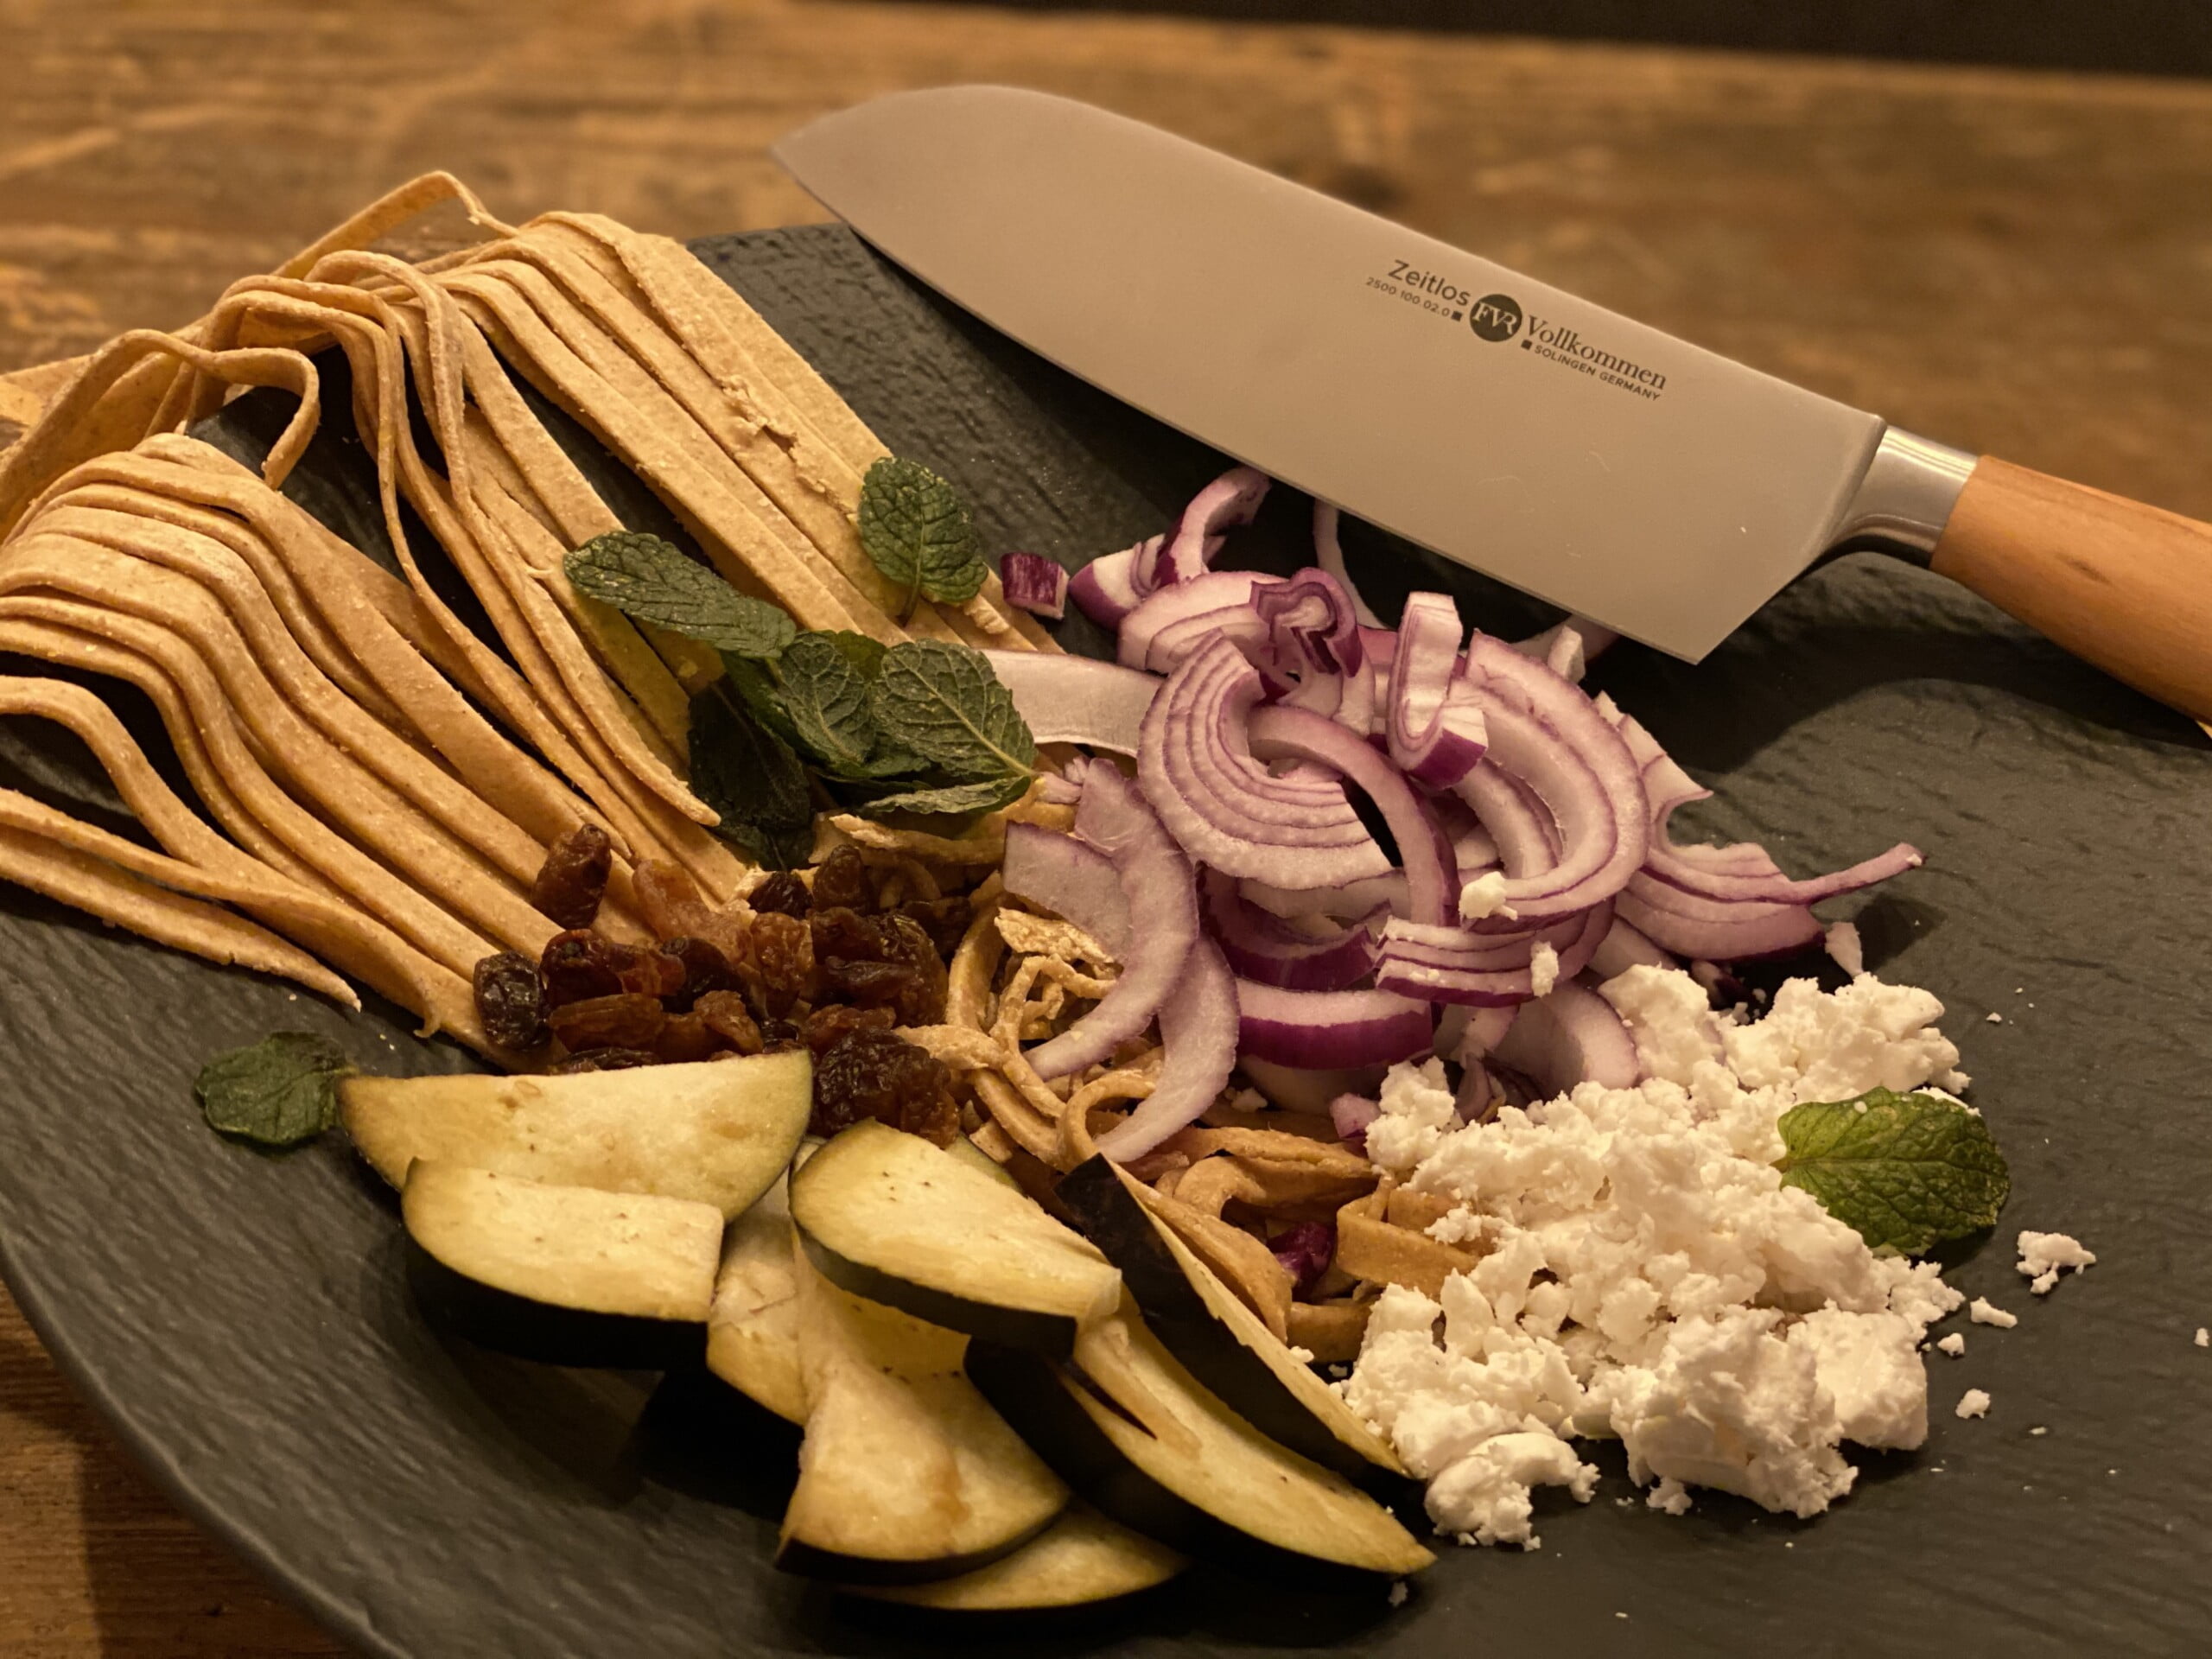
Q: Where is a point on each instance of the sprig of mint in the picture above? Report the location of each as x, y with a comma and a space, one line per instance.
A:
923, 728
1906, 1172
916, 530
280, 1092
645, 577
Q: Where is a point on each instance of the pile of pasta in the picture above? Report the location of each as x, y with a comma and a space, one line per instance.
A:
377, 782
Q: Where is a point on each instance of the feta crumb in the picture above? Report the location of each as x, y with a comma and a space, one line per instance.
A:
1994, 1018
1484, 896
2039, 1431
2203, 1337
1671, 1496
1834, 1046
1955, 1345
1399, 1592
2044, 1256
1543, 968
1982, 1311
1842, 943
1974, 1402
1417, 1111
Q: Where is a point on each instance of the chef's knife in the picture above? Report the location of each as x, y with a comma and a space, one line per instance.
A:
1624, 474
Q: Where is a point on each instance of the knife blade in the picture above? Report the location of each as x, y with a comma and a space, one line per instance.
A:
1622, 474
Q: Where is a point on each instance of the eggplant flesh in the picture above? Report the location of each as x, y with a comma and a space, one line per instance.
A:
752, 1328
895, 1220
569, 1275
1224, 1344
1081, 1558
906, 1474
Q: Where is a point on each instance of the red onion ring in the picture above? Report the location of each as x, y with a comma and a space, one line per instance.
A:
1263, 947
1321, 1030
1436, 731
1199, 1030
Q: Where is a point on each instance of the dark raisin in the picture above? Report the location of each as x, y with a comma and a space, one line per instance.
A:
573, 879
945, 920
783, 952
705, 969
844, 879
871, 1073
907, 943
686, 1037
604, 1060
825, 1026
724, 1014
783, 894
511, 1002
843, 933
576, 965
886, 985
627, 1020
776, 1035
646, 970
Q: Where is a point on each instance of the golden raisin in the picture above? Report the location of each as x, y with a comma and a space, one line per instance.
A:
626, 1020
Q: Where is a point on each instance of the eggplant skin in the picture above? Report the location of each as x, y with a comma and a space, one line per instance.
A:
553, 1335
1108, 1215
1050, 1334
1032, 1393
807, 1561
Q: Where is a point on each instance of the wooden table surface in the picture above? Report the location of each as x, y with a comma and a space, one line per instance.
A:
2018, 264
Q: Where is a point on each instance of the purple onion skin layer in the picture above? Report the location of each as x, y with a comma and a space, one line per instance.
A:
1034, 584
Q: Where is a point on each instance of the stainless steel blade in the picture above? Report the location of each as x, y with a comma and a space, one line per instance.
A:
1615, 470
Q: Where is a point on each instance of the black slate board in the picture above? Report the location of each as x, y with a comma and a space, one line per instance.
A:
241, 1322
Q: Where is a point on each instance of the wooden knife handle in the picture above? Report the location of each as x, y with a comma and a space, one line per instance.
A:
2128, 586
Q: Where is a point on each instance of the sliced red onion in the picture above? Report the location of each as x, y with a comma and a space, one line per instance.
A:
1264, 947
1622, 948
1298, 1089
1719, 930
1519, 825
1324, 1029
1069, 878
1345, 904
1199, 1030
1105, 589
1034, 584
1060, 788
1174, 620
1571, 1035
1230, 500
1844, 949
1352, 1114
1431, 893
1226, 809
1475, 1099
1436, 731
1069, 699
1457, 964
1305, 1249
1330, 553
1312, 627
1163, 923
1568, 648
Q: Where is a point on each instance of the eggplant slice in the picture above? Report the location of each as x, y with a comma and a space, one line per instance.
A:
890, 1217
753, 1330
1221, 1342
570, 1275
719, 1132
1082, 1557
1217, 1489
906, 1474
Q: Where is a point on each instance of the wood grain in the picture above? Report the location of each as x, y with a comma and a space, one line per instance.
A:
2013, 263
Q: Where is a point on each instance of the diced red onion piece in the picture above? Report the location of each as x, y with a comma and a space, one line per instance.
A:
1034, 584
1329, 553
1069, 699
1069, 878
1571, 1035
1568, 648
1172, 622
1312, 627
1624, 947
1225, 808
1435, 730
1324, 1029
1230, 500
1198, 1031
1352, 1114
1431, 892
1264, 947
1305, 1249
1163, 923
1105, 589
1298, 1089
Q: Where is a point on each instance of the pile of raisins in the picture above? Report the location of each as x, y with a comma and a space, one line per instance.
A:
826, 969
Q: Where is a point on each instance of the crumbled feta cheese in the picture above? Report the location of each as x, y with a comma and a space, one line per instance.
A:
1645, 1275
1399, 1592
2043, 1255
1671, 1496
1994, 1018
1543, 968
1842, 943
2203, 1337
1974, 1402
2039, 1431
1484, 896
1955, 1345
1982, 1311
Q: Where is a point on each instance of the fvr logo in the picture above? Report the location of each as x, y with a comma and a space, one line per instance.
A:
1495, 317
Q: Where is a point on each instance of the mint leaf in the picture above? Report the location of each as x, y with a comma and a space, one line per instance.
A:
915, 529
647, 578
959, 800
1906, 1172
752, 778
826, 697
280, 1092
943, 702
